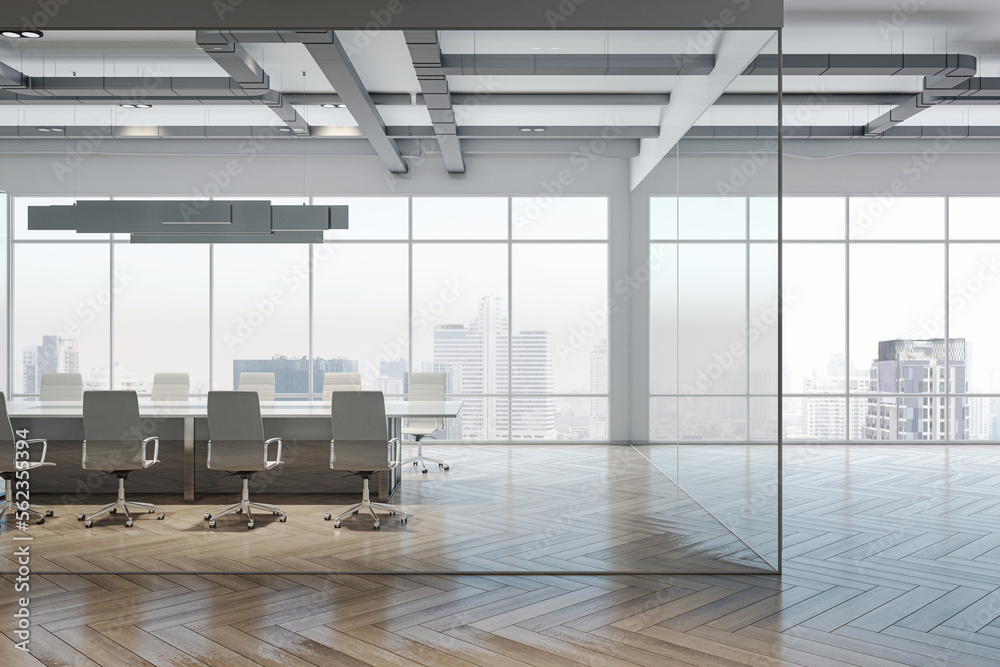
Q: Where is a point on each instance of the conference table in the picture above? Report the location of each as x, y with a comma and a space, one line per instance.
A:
186, 422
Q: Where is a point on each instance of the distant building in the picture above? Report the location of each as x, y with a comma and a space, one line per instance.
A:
923, 371
56, 354
599, 385
475, 357
829, 415
291, 374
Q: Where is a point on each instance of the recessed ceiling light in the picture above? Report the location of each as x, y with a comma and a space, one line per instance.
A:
332, 105
285, 129
143, 105
525, 129
43, 129
127, 106
539, 129
28, 34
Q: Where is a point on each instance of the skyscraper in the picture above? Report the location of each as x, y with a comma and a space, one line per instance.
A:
476, 357
56, 354
599, 385
923, 370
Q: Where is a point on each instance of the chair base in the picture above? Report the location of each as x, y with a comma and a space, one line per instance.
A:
244, 506
367, 505
40, 511
88, 515
420, 459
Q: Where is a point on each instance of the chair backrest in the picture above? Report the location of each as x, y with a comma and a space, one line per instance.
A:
340, 382
235, 431
58, 387
171, 387
262, 383
112, 431
359, 440
426, 387
8, 446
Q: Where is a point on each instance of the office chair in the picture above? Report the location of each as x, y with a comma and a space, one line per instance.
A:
171, 387
61, 387
360, 446
113, 443
10, 464
262, 383
425, 387
236, 444
340, 382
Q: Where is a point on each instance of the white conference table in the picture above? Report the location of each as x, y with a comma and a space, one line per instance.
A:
395, 412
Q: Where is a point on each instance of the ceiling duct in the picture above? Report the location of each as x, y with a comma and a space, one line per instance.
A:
192, 221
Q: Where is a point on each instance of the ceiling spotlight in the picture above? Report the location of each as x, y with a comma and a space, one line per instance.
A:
127, 106
28, 34
143, 105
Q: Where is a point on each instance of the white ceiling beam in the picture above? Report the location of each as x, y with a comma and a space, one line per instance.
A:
692, 96
336, 65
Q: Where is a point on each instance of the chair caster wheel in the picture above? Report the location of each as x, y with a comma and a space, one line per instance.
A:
207, 516
391, 513
211, 524
403, 520
275, 513
354, 512
159, 517
239, 511
79, 517
88, 523
150, 511
41, 520
424, 471
326, 517
114, 511
336, 524
128, 524
447, 467
250, 525
414, 463
48, 512
376, 526
282, 519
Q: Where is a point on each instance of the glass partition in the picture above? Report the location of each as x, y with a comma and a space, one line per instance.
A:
714, 320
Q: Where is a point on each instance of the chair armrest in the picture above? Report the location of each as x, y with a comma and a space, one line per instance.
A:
268, 442
45, 447
156, 451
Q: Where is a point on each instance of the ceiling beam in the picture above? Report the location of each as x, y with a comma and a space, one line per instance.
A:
572, 64
425, 53
560, 99
692, 96
333, 61
242, 68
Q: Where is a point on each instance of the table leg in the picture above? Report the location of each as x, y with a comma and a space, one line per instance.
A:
189, 459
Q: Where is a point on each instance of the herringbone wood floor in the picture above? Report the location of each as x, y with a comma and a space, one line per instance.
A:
517, 508
892, 557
